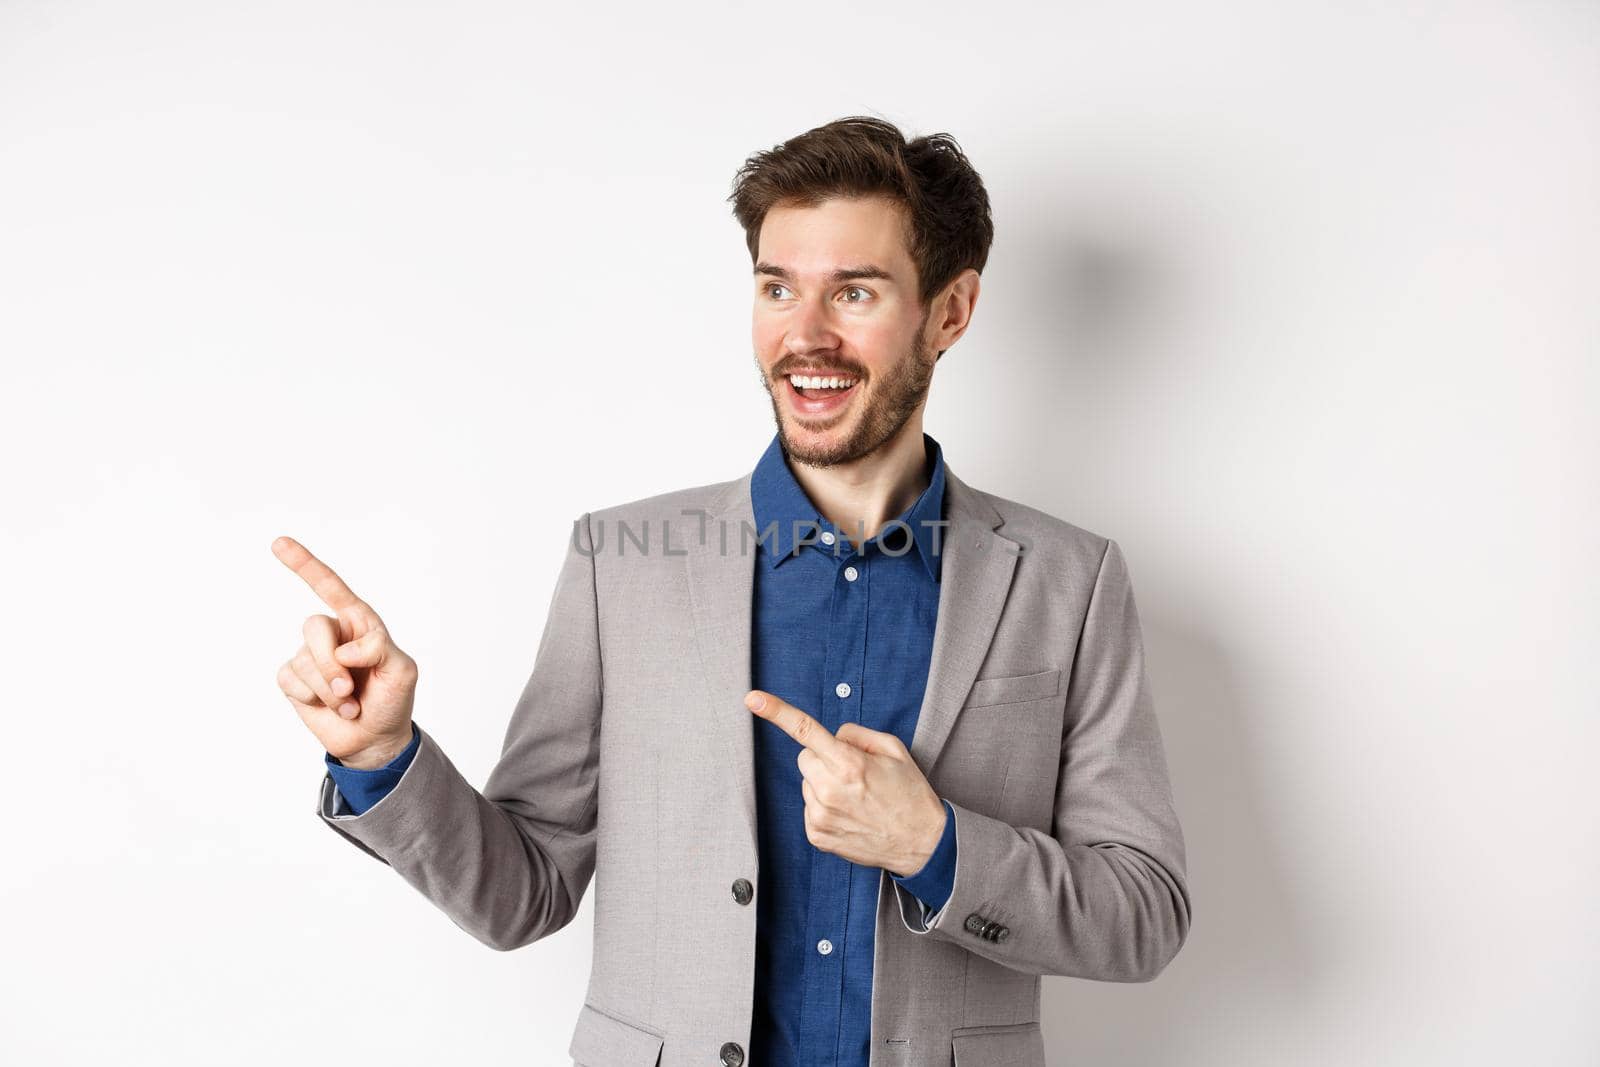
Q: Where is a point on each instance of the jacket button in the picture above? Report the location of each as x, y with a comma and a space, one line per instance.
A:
1002, 933
988, 930
743, 890
732, 1054
975, 923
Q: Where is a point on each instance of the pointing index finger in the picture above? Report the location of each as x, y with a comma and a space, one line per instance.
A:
320, 577
794, 722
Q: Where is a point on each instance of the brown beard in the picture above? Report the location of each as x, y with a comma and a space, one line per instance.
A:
889, 404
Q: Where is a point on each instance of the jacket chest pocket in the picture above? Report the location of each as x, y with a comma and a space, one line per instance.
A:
1008, 724
603, 1041
1012, 689
1021, 1045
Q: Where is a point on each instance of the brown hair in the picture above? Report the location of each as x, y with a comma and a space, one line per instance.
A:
947, 206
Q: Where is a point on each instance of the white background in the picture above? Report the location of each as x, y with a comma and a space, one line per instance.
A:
1297, 302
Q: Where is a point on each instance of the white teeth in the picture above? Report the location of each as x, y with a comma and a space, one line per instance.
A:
802, 381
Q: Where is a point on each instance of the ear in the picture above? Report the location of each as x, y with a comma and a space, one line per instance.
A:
952, 310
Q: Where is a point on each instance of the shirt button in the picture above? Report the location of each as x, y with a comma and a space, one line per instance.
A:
827, 537
731, 1054
824, 946
850, 574
843, 689
743, 891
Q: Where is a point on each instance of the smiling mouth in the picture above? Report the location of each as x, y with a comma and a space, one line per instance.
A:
820, 396
821, 386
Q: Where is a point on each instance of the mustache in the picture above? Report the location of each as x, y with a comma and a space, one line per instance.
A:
783, 371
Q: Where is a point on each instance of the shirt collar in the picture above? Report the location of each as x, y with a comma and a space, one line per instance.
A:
779, 502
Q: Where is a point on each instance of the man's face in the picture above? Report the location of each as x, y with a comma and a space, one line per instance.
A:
836, 297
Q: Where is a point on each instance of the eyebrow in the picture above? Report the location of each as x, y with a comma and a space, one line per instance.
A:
844, 274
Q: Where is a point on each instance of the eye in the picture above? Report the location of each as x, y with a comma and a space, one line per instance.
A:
865, 294
767, 289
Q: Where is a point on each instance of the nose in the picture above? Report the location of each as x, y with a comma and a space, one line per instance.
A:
811, 329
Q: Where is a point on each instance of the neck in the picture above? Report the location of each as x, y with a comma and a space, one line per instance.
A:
861, 496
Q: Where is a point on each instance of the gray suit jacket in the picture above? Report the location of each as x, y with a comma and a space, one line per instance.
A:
629, 758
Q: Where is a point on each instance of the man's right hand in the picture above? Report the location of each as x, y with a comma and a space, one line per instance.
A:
351, 684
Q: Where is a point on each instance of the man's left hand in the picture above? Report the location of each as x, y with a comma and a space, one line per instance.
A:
866, 799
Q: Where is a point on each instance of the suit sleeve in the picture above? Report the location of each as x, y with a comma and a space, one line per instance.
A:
509, 864
1104, 895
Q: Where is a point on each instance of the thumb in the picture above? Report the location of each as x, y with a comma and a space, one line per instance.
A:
366, 651
869, 740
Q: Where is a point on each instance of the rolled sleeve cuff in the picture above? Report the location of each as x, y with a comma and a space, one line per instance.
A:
932, 884
361, 789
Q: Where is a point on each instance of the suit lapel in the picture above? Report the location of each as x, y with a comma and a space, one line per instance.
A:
721, 570
975, 575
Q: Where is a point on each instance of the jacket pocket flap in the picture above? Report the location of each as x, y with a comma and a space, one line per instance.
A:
601, 1040
1012, 689
1021, 1045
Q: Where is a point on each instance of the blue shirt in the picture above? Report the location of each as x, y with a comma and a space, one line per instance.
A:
846, 636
